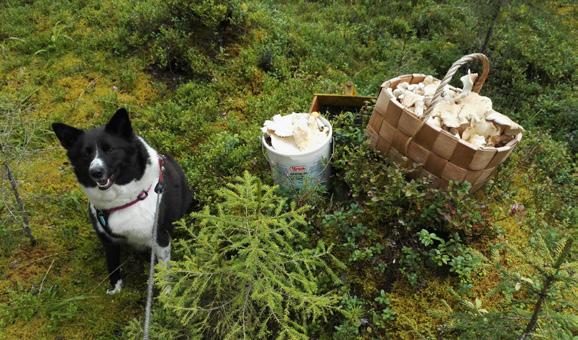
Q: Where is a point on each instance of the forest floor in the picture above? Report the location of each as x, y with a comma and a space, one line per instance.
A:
58, 64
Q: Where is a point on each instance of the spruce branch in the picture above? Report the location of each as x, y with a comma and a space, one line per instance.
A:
550, 279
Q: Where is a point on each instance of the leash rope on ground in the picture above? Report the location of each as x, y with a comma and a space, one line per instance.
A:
149, 303
158, 189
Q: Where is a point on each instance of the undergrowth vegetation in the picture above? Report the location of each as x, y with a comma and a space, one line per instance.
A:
180, 37
376, 255
246, 270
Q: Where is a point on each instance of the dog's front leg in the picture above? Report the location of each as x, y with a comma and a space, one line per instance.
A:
113, 265
163, 254
163, 246
112, 252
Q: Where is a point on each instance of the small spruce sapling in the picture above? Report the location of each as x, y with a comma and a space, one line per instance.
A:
547, 293
246, 270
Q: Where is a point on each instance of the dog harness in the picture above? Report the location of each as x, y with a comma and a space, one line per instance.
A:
102, 215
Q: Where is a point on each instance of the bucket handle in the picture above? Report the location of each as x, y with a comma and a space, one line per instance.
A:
452, 71
332, 153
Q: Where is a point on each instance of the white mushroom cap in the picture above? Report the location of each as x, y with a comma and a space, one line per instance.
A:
301, 133
481, 128
296, 132
448, 112
390, 93
282, 126
468, 82
284, 145
435, 121
449, 94
430, 89
510, 127
403, 85
477, 140
419, 106
410, 98
474, 106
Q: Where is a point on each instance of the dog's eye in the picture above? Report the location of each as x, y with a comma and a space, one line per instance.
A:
106, 148
88, 152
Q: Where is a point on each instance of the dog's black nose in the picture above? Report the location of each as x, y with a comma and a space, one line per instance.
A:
96, 173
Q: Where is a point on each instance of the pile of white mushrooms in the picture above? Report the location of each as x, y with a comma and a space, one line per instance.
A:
465, 114
296, 133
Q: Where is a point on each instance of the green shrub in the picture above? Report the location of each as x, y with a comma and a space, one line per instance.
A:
452, 254
531, 77
246, 270
219, 159
177, 125
364, 317
353, 312
384, 314
387, 198
545, 179
376, 218
179, 36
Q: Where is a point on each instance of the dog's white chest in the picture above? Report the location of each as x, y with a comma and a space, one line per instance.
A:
135, 223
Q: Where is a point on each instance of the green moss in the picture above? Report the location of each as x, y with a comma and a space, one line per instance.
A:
415, 310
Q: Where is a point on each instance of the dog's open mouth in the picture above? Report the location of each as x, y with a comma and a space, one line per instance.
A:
105, 183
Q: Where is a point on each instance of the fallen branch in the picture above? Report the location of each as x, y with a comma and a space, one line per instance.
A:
44, 278
25, 221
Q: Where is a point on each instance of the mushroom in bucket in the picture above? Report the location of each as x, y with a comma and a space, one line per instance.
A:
298, 149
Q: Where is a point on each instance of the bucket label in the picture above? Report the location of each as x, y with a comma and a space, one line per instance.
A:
297, 168
301, 175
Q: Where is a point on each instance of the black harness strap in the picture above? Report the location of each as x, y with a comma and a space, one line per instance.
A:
102, 218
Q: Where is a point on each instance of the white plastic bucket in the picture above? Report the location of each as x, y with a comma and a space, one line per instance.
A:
302, 170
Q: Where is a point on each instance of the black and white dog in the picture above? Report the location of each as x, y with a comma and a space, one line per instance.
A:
122, 177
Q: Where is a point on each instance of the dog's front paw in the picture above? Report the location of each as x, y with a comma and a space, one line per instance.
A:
117, 288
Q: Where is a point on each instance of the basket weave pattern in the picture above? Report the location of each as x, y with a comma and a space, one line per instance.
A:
428, 150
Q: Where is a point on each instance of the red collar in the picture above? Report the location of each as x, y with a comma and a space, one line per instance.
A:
145, 193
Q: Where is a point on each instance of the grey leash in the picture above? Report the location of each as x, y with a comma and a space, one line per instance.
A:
159, 190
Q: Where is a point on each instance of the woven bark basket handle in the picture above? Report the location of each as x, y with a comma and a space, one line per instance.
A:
452, 71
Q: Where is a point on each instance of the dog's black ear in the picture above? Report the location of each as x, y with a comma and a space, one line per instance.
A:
119, 124
67, 135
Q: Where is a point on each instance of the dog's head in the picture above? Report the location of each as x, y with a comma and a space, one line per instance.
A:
99, 154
